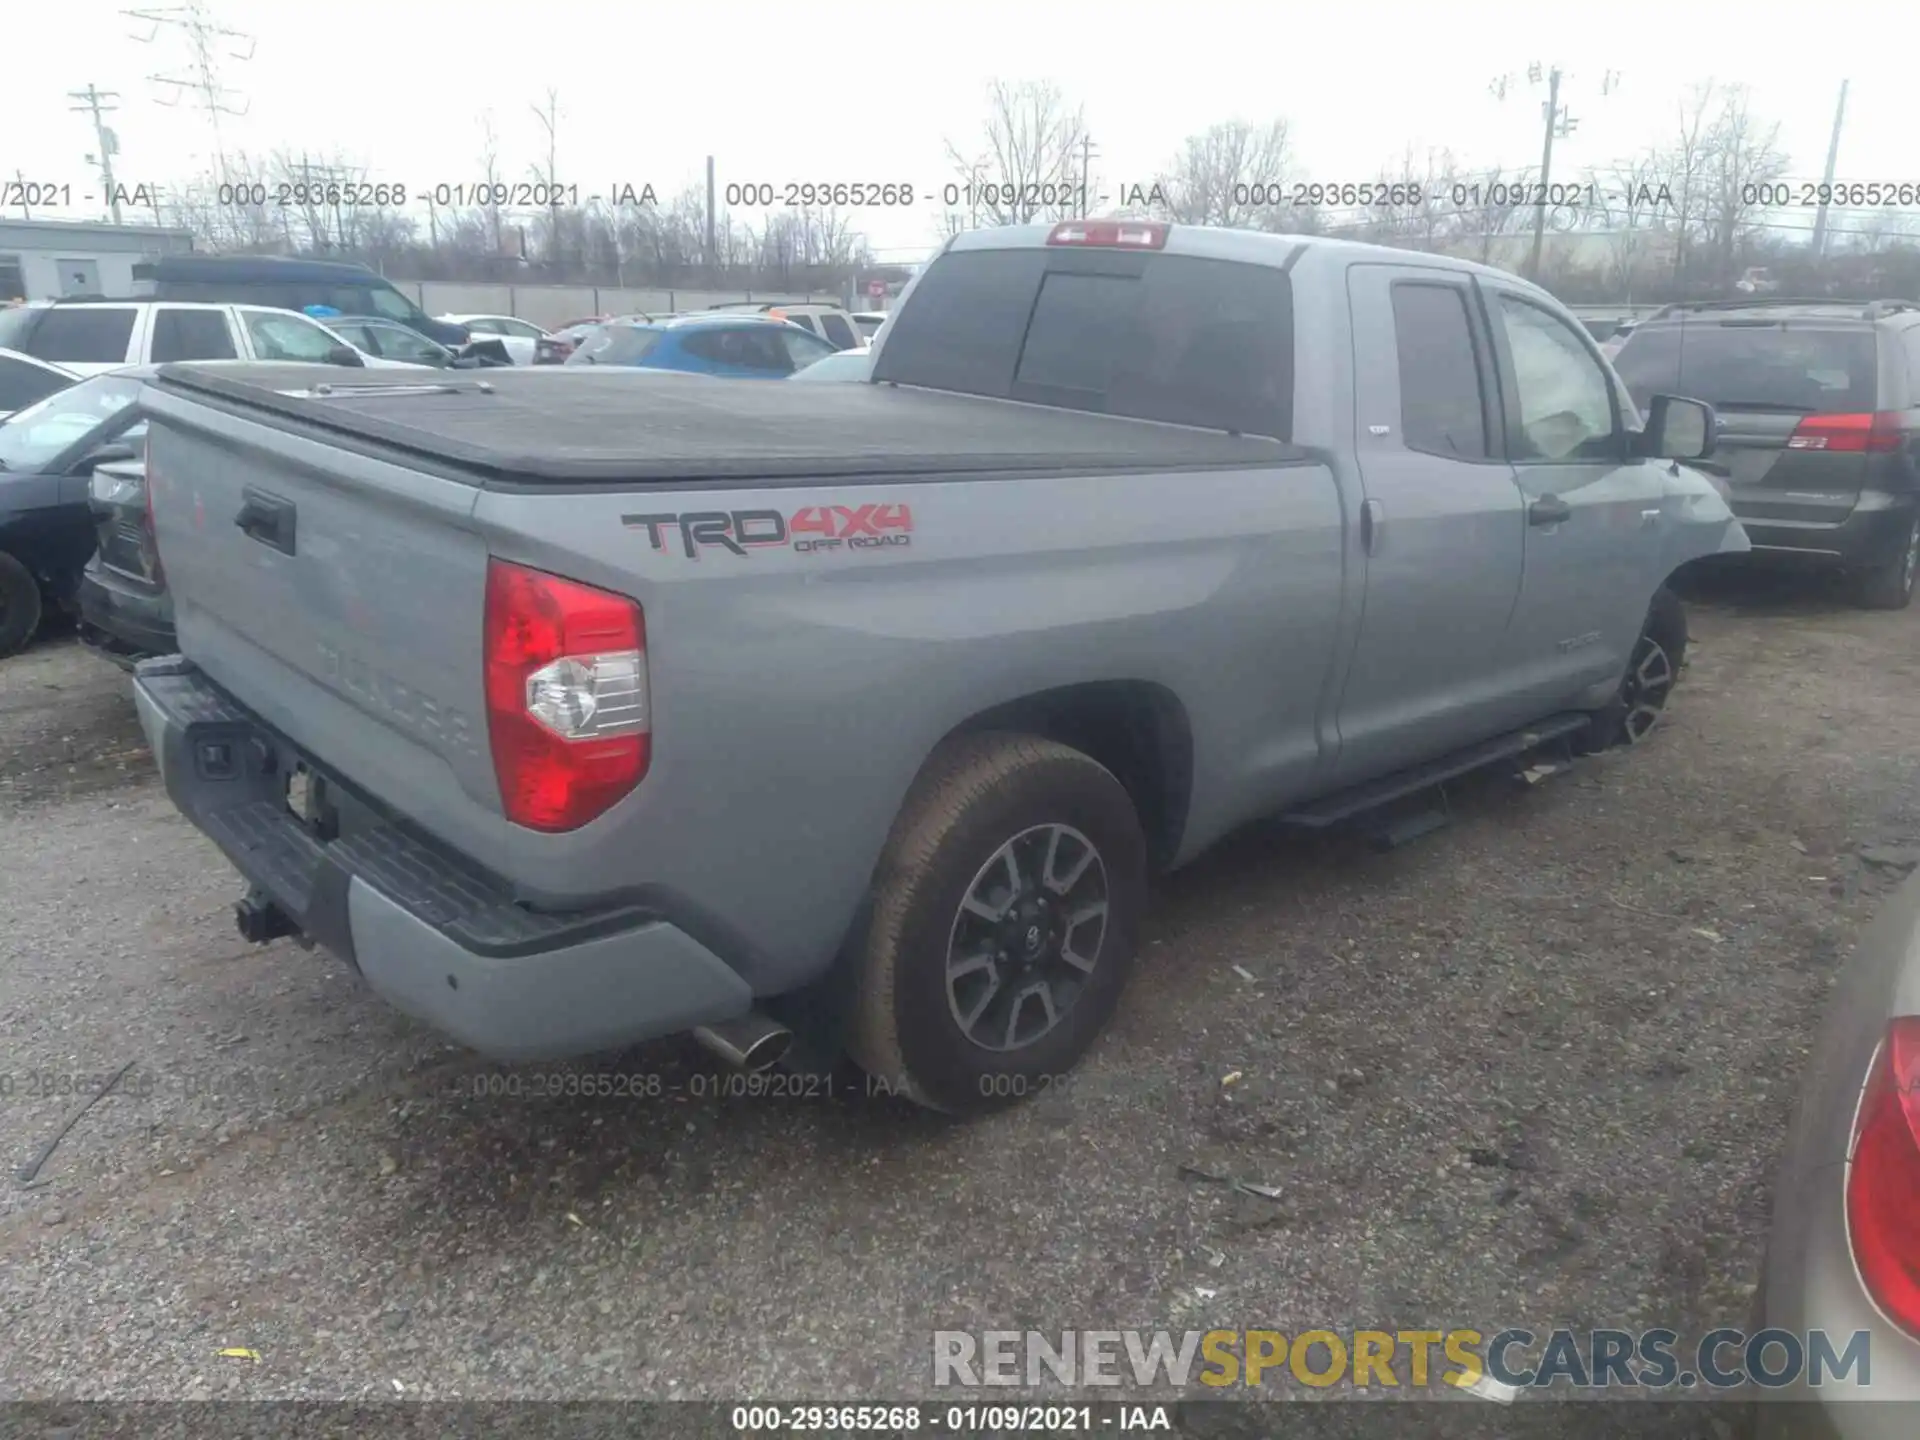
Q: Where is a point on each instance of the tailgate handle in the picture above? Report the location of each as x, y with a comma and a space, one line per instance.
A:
267, 518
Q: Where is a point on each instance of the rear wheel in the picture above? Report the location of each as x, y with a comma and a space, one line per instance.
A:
1652, 672
1005, 917
20, 604
1890, 586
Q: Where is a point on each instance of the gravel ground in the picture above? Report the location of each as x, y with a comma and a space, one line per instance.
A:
1532, 1070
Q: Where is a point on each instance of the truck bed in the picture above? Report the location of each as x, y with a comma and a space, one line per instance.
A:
570, 425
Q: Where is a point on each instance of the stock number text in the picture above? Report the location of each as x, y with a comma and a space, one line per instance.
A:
299, 193
1785, 193
794, 194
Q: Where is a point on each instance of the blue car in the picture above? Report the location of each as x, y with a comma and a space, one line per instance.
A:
734, 347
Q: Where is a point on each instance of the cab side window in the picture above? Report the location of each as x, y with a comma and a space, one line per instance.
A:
1566, 400
190, 335
1441, 409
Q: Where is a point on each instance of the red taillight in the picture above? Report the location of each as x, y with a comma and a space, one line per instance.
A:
1848, 434
566, 696
1883, 1183
1125, 234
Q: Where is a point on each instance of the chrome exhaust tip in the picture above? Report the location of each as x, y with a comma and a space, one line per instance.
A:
752, 1043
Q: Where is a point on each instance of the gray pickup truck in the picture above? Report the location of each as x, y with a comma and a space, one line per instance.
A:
577, 708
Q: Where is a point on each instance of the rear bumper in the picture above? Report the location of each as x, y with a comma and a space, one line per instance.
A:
1872, 533
430, 932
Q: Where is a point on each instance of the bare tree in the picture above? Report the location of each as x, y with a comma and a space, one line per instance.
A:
549, 175
1743, 154
493, 222
1033, 160
1232, 174
1410, 206
1633, 203
1487, 208
1687, 166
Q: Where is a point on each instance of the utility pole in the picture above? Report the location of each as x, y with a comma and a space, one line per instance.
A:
1559, 125
21, 180
1826, 180
1086, 157
92, 101
713, 256
1546, 172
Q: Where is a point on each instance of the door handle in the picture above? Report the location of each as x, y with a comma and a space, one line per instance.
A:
267, 518
1548, 510
1373, 526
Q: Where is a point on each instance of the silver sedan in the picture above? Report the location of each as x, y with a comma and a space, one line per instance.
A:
1845, 1250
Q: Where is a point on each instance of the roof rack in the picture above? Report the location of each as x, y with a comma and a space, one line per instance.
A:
762, 304
1869, 309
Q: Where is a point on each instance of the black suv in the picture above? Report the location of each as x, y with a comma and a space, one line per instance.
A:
1819, 440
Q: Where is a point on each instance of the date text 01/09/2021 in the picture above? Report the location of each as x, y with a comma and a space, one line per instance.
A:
908, 1419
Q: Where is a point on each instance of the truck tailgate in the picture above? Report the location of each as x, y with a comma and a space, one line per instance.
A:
339, 596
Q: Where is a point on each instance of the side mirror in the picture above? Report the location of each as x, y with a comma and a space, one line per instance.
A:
112, 453
346, 355
1679, 429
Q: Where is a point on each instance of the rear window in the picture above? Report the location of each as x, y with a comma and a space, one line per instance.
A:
839, 332
615, 345
1162, 337
1776, 366
85, 337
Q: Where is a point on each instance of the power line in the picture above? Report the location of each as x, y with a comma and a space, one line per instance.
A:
92, 101
207, 44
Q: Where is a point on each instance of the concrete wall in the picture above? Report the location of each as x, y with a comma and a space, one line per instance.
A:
553, 305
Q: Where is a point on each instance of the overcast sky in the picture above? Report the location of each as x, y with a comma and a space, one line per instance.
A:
837, 90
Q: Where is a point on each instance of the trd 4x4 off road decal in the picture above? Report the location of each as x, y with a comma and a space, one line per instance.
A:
810, 529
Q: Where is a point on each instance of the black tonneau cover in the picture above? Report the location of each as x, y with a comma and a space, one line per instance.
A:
573, 424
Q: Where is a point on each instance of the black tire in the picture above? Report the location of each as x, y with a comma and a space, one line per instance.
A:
979, 798
1658, 656
20, 604
1890, 586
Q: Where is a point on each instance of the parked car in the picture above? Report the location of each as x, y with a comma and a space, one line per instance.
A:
843, 365
553, 349
1843, 1256
516, 336
91, 337
276, 282
1611, 346
1819, 405
390, 340
749, 347
125, 613
1277, 527
829, 322
868, 321
48, 453
25, 380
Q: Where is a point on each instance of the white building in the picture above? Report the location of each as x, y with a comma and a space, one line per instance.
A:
41, 259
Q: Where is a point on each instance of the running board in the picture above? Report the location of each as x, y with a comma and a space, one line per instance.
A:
1345, 804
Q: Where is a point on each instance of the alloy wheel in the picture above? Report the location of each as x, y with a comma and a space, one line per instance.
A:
1646, 689
1027, 936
